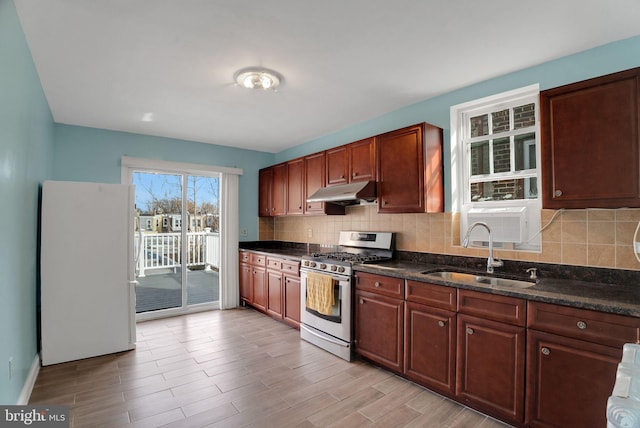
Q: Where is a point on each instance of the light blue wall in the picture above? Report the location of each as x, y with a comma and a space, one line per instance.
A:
26, 142
605, 59
89, 154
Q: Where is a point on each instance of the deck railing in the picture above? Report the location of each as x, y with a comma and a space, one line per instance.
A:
164, 250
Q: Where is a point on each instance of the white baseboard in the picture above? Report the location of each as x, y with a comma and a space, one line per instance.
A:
30, 382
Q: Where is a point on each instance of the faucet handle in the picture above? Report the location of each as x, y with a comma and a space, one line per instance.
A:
533, 272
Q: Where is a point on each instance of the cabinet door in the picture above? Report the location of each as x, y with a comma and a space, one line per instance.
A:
362, 160
291, 300
258, 283
246, 288
378, 329
590, 150
409, 181
279, 190
314, 179
568, 381
274, 293
430, 347
295, 186
264, 192
490, 367
337, 165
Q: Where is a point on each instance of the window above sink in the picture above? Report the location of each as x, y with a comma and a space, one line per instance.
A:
495, 157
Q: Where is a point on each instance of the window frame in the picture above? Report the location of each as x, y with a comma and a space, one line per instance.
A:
461, 177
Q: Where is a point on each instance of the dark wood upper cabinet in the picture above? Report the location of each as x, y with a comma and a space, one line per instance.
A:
279, 190
337, 166
352, 162
410, 170
264, 192
362, 160
272, 191
589, 144
315, 178
295, 186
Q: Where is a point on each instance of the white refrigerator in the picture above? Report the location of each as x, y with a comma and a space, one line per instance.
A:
87, 270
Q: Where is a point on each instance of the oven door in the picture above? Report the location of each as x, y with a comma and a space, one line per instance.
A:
338, 324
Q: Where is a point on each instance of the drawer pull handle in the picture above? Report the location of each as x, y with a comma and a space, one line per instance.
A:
377, 284
470, 331
545, 351
441, 323
581, 325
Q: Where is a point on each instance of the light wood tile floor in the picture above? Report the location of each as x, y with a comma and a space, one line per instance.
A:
239, 368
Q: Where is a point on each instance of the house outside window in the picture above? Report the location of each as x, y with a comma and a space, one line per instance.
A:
495, 154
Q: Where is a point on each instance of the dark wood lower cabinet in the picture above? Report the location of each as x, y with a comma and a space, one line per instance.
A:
274, 293
490, 367
379, 329
259, 285
569, 381
291, 309
430, 347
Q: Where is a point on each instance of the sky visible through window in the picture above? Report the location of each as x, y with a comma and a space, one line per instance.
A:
154, 187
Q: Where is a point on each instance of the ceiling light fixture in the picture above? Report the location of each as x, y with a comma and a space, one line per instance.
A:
258, 78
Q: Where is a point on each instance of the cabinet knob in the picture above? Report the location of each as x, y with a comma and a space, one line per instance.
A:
362, 301
581, 325
545, 351
441, 323
377, 284
384, 202
300, 207
470, 330
557, 193
355, 174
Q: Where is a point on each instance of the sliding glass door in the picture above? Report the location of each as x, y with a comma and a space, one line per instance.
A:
177, 241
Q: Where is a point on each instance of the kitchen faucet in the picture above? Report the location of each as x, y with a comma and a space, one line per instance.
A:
491, 262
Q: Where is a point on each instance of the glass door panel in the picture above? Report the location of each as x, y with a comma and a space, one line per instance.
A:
158, 241
203, 237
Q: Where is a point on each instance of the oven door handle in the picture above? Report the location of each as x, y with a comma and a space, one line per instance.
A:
324, 337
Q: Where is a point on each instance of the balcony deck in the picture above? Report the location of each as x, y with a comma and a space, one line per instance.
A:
160, 289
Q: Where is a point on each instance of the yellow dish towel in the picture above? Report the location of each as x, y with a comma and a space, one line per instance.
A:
320, 292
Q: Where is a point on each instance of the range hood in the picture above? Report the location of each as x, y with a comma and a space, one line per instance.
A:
346, 194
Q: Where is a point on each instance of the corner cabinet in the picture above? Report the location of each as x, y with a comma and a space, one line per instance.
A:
272, 191
589, 144
409, 169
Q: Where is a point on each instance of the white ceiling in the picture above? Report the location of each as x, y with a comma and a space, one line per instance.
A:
105, 63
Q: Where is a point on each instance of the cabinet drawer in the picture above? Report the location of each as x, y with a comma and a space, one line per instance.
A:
258, 259
385, 285
437, 296
291, 267
505, 309
245, 257
592, 326
274, 263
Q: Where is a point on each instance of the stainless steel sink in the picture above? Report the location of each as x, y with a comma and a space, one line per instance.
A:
480, 280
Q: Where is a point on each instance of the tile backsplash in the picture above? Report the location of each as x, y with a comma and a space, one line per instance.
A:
590, 237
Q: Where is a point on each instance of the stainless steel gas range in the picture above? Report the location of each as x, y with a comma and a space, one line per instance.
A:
326, 280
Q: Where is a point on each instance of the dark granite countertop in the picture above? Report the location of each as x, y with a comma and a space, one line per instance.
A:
608, 290
623, 299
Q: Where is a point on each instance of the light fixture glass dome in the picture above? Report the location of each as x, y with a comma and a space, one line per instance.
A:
257, 78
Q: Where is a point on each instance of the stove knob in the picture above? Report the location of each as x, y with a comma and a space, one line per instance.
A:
312, 264
323, 265
341, 269
334, 268
306, 263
